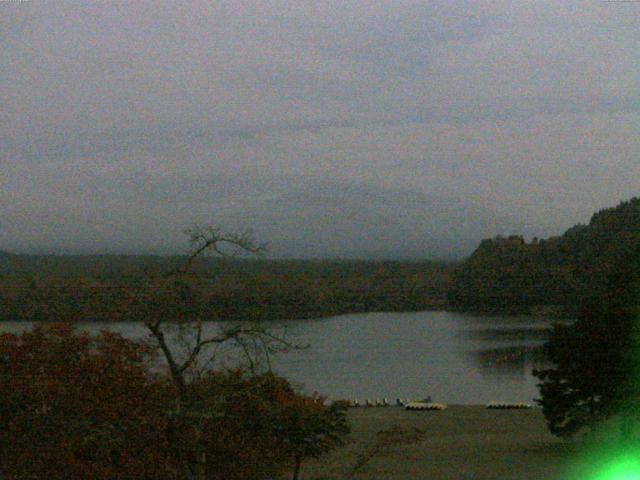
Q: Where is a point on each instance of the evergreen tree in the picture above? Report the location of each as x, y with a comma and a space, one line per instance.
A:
596, 359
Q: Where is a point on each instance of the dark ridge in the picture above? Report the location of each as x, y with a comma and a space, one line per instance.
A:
551, 276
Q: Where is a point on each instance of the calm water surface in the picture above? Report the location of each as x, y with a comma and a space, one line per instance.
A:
452, 357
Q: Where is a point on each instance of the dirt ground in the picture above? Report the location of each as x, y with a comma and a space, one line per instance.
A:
460, 443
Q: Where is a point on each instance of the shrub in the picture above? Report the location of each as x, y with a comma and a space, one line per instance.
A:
87, 407
77, 406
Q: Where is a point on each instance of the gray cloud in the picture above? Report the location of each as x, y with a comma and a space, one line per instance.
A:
122, 123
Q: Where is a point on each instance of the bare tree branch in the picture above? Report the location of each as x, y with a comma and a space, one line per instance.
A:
205, 239
264, 343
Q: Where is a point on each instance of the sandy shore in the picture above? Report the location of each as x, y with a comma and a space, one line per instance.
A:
460, 443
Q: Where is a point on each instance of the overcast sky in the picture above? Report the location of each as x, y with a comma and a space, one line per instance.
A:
124, 122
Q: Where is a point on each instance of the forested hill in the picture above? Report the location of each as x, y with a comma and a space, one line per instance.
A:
510, 275
117, 288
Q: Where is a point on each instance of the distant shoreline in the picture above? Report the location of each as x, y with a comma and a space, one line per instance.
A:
116, 289
487, 315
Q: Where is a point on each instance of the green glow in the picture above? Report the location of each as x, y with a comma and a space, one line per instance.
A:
605, 457
621, 469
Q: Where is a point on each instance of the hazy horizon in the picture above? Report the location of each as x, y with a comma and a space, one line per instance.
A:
392, 129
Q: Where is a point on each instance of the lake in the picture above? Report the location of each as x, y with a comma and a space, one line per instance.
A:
452, 357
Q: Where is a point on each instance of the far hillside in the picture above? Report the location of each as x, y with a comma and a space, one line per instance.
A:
548, 276
110, 287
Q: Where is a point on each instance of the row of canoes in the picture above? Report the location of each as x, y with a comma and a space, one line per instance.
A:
427, 404
508, 406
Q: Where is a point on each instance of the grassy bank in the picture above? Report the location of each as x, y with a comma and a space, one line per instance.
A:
462, 442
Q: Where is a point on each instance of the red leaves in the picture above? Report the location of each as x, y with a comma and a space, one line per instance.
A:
86, 407
75, 406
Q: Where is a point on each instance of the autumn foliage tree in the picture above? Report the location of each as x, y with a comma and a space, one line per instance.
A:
73, 405
229, 421
77, 406
308, 427
256, 425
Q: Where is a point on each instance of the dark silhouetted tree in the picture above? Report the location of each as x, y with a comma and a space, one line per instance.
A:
597, 358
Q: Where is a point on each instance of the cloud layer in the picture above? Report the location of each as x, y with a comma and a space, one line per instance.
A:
122, 123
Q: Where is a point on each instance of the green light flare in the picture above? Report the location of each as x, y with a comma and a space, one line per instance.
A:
626, 468
605, 458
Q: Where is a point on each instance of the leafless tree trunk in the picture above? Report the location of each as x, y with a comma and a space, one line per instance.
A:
251, 339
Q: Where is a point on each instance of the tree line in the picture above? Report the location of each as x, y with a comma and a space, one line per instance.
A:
554, 275
99, 288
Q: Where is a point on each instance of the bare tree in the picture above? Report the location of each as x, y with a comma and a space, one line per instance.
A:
253, 340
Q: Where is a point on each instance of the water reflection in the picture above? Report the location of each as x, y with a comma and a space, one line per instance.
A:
510, 360
507, 346
505, 333
452, 357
